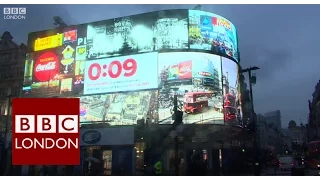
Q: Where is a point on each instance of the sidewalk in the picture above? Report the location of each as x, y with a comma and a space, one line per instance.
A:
272, 172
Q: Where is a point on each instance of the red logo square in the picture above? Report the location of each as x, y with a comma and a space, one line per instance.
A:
45, 131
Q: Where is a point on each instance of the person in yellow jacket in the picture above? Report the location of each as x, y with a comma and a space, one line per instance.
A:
158, 168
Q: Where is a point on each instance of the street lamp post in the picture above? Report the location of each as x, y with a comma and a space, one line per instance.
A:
176, 138
256, 145
177, 127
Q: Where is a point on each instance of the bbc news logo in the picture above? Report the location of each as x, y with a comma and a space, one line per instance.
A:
14, 13
45, 131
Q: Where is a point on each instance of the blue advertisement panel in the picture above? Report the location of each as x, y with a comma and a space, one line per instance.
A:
208, 31
122, 161
204, 67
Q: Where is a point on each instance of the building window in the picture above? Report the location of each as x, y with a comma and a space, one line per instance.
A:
20, 72
8, 73
4, 58
3, 92
15, 91
2, 73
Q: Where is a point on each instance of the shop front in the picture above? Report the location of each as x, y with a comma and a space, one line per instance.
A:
111, 148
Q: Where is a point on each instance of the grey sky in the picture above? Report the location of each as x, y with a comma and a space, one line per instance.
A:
283, 40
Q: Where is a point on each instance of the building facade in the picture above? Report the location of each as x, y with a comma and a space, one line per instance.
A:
274, 117
287, 140
314, 115
262, 127
269, 134
298, 132
12, 59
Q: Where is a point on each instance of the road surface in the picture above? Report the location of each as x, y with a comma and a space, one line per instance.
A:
271, 172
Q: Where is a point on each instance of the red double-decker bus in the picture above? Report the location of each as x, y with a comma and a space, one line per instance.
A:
196, 101
229, 100
313, 155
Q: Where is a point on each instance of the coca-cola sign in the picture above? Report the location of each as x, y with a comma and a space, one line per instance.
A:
46, 67
185, 70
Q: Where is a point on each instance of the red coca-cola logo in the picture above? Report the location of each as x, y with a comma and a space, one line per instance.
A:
46, 67
185, 70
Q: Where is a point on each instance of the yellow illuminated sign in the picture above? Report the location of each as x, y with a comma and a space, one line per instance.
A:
48, 42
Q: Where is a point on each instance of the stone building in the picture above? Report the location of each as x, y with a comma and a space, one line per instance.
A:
12, 58
314, 115
269, 134
298, 133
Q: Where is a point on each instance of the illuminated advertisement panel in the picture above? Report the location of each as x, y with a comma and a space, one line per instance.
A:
125, 73
46, 72
208, 31
118, 108
80, 57
69, 36
196, 79
28, 69
48, 42
28, 73
56, 70
140, 33
232, 108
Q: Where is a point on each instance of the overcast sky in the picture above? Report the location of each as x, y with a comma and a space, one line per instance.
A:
283, 40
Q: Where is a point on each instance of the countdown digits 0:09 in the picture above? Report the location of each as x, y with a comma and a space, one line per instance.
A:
129, 66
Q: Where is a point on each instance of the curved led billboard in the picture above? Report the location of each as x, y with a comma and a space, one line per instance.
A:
214, 33
129, 68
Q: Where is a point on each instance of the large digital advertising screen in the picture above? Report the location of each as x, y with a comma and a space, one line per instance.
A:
119, 108
124, 73
139, 33
232, 107
129, 68
196, 80
208, 31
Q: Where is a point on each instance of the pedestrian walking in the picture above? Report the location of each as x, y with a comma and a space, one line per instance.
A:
198, 166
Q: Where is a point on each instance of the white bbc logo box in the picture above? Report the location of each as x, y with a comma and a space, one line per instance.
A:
14, 12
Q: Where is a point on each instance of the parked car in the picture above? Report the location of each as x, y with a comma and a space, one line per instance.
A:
286, 163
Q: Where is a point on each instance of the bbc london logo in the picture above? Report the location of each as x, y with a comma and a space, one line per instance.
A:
45, 131
14, 13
